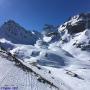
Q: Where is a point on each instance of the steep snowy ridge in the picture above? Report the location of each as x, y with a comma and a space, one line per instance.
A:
77, 23
75, 36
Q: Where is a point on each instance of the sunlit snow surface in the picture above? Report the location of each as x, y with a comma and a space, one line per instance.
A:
59, 61
60, 58
15, 78
55, 59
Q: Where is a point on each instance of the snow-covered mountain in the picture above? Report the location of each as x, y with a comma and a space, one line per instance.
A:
15, 33
72, 36
75, 36
74, 25
60, 54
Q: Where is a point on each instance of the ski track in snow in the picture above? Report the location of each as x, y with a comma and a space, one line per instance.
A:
13, 76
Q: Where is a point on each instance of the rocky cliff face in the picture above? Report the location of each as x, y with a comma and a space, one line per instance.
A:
15, 33
77, 23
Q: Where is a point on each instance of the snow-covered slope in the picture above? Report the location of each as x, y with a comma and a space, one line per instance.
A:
75, 36
45, 57
79, 45
62, 65
13, 77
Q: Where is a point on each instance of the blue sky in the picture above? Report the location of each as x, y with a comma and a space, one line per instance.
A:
33, 14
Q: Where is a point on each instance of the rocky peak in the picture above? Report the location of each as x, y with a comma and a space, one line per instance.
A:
15, 33
77, 23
